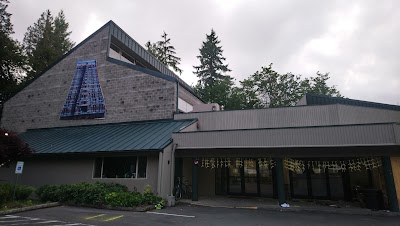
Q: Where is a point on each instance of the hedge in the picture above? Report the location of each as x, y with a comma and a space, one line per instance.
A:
22, 192
98, 194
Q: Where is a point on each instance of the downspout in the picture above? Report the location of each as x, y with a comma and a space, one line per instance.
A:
160, 165
173, 168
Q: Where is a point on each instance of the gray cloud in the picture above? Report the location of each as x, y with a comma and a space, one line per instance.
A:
355, 41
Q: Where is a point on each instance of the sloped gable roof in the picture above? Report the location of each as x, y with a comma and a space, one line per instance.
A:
116, 137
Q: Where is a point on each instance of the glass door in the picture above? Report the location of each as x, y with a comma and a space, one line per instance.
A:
250, 177
235, 180
266, 182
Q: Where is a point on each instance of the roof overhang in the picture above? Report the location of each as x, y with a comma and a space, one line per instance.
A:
300, 138
145, 136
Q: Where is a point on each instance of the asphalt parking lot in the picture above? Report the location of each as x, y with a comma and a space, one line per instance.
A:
185, 215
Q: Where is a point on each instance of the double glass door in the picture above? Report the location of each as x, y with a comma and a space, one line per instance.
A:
249, 179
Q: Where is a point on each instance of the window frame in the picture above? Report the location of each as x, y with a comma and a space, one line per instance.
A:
118, 178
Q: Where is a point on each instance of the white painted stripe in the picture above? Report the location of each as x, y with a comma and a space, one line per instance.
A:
27, 223
171, 214
68, 224
8, 217
46, 222
10, 221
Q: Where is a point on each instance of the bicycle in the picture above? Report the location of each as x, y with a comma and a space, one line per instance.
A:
183, 190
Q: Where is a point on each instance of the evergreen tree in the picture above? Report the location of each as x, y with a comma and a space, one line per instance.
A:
165, 52
11, 57
213, 86
46, 41
152, 48
62, 42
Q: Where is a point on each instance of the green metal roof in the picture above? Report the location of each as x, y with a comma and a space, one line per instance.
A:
118, 137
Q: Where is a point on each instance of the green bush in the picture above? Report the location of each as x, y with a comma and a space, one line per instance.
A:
123, 199
22, 192
82, 193
6, 192
96, 194
48, 193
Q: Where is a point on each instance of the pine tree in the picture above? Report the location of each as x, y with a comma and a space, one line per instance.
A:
213, 86
62, 42
165, 52
11, 57
46, 41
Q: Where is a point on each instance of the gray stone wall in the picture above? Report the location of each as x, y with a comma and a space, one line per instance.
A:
129, 95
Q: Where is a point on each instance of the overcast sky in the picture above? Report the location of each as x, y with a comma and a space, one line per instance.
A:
356, 41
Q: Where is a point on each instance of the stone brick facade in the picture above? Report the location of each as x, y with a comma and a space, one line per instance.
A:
129, 95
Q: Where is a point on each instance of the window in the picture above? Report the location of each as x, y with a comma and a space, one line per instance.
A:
184, 106
120, 167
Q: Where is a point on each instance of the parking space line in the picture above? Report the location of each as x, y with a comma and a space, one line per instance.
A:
171, 214
8, 216
21, 220
72, 224
88, 218
30, 223
113, 218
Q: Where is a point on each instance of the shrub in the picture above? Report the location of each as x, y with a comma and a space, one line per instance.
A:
6, 192
147, 190
48, 193
96, 194
123, 199
82, 193
22, 192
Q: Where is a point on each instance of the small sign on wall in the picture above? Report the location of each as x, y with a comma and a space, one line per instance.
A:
19, 167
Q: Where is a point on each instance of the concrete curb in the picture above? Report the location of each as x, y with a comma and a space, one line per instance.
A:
28, 208
362, 212
131, 209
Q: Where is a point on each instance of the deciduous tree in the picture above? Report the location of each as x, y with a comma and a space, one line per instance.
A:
268, 88
12, 147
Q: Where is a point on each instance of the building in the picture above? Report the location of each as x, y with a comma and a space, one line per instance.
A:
116, 114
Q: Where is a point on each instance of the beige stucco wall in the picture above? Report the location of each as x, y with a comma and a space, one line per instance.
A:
38, 172
129, 95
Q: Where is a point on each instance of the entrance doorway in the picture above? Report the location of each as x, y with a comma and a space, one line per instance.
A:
248, 180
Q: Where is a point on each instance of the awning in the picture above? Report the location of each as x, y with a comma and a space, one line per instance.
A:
117, 137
